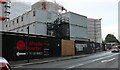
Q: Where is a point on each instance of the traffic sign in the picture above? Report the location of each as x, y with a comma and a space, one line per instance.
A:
18, 53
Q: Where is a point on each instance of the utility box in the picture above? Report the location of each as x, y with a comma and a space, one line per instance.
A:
67, 48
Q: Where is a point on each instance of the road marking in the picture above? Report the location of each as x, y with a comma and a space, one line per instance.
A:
97, 59
75, 66
103, 61
94, 61
103, 58
80, 64
17, 66
72, 67
111, 59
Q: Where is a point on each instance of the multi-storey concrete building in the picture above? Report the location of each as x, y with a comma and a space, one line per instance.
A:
78, 30
44, 18
36, 19
77, 25
94, 30
45, 15
4, 12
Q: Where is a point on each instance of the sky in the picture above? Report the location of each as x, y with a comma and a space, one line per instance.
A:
105, 9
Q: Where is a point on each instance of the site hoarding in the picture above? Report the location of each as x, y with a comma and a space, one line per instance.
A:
19, 47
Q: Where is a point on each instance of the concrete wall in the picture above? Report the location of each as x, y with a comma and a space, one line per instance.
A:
41, 28
36, 19
1, 14
13, 25
78, 25
1, 9
50, 6
45, 16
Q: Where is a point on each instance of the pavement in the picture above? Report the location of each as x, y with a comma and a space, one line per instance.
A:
43, 60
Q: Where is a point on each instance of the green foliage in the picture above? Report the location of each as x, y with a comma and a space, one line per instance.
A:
111, 38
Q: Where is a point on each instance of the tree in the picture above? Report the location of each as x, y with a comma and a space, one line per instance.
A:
111, 38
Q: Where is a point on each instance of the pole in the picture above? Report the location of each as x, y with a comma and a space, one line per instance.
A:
28, 46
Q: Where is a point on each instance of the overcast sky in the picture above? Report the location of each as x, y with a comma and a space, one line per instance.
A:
105, 9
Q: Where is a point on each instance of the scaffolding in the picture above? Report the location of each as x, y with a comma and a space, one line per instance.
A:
59, 28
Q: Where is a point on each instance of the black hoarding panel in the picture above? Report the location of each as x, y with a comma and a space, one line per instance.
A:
20, 47
8, 47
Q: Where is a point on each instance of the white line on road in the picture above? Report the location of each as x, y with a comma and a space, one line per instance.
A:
72, 67
103, 61
111, 59
97, 59
76, 66
94, 61
103, 58
17, 66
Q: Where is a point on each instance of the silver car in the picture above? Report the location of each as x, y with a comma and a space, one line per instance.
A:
115, 49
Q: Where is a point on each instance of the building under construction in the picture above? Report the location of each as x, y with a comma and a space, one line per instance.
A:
51, 19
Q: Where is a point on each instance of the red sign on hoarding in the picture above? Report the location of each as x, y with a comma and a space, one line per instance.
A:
20, 45
29, 45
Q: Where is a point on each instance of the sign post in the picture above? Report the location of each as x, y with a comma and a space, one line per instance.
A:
28, 46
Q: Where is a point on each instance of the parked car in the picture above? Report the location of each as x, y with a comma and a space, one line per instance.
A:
115, 49
4, 65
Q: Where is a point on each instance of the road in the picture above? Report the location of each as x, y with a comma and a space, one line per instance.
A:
98, 60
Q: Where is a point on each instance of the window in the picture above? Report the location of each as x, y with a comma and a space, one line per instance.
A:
13, 22
33, 25
9, 24
21, 30
49, 15
22, 18
6, 25
17, 20
17, 30
33, 13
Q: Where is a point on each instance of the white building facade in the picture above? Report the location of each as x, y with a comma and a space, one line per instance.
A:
78, 26
94, 30
37, 20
